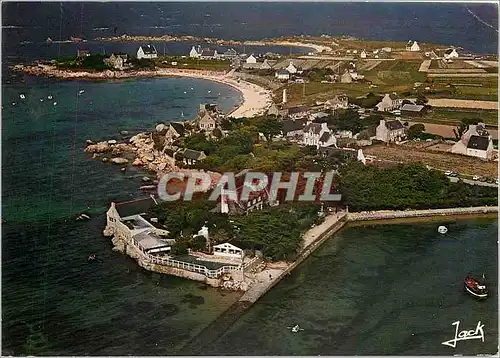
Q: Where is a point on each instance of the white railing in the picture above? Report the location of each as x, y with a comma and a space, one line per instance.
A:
193, 267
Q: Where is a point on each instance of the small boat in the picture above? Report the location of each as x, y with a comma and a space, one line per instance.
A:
55, 103
442, 229
91, 257
81, 91
296, 328
22, 96
49, 97
41, 99
476, 288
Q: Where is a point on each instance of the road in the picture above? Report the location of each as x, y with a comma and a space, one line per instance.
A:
472, 182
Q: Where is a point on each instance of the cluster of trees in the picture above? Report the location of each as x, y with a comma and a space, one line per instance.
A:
92, 62
348, 119
406, 186
369, 101
277, 232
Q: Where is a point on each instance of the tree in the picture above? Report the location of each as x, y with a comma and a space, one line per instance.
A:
415, 131
463, 126
269, 126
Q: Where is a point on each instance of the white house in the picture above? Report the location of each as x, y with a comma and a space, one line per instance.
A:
362, 54
475, 142
450, 53
390, 131
195, 52
412, 46
389, 103
319, 135
147, 51
291, 68
251, 59
226, 250
282, 75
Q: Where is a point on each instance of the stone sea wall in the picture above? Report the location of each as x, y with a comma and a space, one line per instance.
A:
381, 215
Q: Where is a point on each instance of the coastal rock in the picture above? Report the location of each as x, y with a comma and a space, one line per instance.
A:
162, 166
111, 141
119, 160
104, 160
89, 142
124, 133
148, 157
100, 147
160, 127
137, 162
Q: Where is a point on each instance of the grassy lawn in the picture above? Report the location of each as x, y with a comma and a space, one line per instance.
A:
397, 73
191, 63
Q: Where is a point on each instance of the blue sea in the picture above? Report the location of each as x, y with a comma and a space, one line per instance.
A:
54, 302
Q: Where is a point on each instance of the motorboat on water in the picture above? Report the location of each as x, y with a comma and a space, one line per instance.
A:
475, 287
22, 96
296, 328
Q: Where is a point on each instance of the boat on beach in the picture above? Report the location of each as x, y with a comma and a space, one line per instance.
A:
475, 287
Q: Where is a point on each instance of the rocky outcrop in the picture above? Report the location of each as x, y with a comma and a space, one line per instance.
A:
119, 160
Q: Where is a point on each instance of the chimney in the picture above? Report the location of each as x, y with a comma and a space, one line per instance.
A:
284, 96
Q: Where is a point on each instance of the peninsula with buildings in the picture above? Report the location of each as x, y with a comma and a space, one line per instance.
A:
407, 128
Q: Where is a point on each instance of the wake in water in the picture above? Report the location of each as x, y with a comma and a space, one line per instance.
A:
480, 20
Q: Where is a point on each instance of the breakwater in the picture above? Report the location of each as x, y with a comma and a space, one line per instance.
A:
384, 215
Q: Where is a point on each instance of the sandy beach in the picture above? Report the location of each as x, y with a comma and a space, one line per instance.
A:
256, 99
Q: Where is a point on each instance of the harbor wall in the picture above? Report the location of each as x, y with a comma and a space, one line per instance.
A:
384, 215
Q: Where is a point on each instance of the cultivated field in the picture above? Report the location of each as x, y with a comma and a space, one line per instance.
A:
438, 160
459, 103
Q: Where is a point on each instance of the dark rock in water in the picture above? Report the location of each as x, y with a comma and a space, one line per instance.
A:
193, 300
124, 133
168, 309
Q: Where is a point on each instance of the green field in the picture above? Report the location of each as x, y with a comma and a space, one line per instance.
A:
399, 73
191, 63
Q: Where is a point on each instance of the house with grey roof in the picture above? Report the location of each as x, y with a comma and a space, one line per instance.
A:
190, 156
314, 134
282, 75
294, 129
390, 131
414, 110
207, 54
